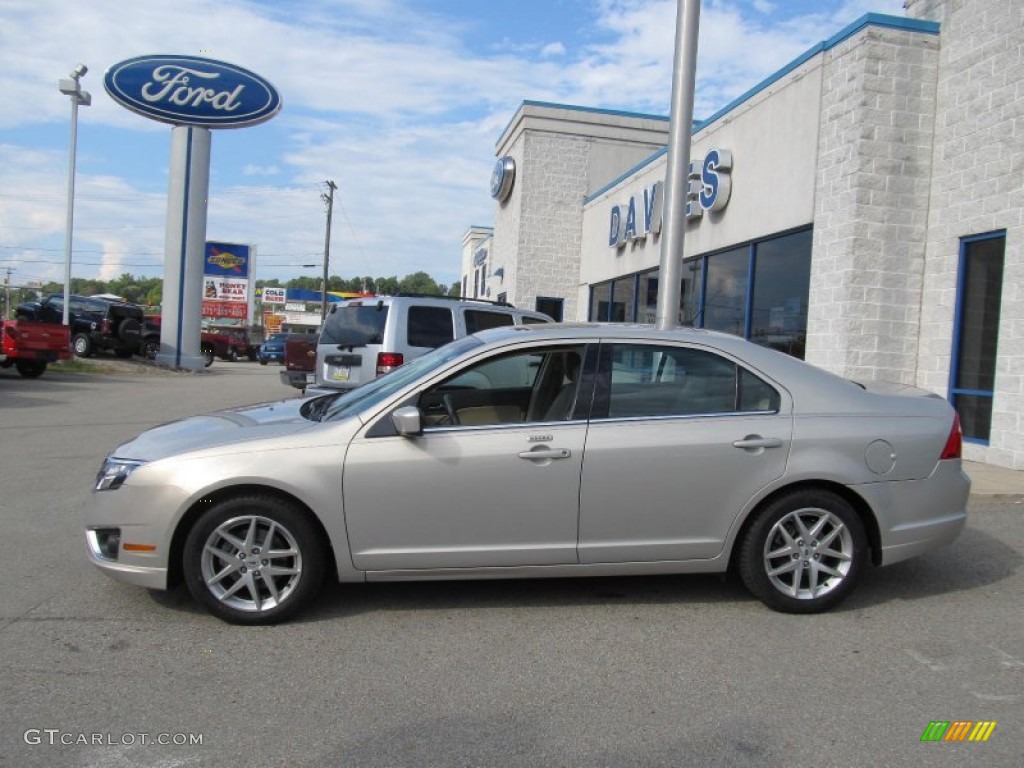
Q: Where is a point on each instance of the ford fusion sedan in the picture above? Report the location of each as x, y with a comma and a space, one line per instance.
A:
541, 451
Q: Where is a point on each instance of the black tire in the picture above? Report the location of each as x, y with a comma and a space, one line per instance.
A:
207, 356
30, 369
262, 361
234, 583
819, 566
82, 345
150, 348
129, 331
231, 355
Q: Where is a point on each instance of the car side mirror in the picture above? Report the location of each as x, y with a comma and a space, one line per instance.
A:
407, 421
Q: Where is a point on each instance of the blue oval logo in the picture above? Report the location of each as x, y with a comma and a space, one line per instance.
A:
190, 90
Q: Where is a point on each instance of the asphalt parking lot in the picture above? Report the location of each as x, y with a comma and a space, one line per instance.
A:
666, 671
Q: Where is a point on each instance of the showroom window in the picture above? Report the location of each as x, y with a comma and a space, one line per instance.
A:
758, 291
976, 332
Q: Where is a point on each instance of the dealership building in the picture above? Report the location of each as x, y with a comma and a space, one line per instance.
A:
861, 208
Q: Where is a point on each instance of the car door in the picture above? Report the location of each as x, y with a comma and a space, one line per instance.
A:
680, 440
492, 481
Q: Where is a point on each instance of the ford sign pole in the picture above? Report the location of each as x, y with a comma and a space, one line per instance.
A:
194, 95
677, 171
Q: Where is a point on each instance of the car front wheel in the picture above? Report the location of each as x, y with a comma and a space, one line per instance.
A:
254, 560
82, 345
804, 552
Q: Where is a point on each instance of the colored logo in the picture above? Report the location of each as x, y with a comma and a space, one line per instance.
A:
190, 90
502, 177
958, 730
226, 261
231, 260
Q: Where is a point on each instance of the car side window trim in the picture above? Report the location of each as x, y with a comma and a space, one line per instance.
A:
603, 388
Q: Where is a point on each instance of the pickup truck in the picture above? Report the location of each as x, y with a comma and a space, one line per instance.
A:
227, 346
30, 346
299, 360
96, 323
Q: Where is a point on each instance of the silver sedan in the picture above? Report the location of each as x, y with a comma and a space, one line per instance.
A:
541, 451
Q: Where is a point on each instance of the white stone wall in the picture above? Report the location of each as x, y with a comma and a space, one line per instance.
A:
978, 187
561, 154
552, 215
871, 204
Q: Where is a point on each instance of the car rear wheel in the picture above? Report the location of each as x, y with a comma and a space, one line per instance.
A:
254, 560
82, 345
804, 552
31, 369
150, 349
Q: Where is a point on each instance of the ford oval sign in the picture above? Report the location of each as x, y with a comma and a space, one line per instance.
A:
190, 90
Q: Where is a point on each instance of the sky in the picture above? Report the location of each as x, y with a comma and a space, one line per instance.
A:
399, 102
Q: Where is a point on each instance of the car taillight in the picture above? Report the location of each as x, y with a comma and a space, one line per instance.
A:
388, 361
105, 325
954, 443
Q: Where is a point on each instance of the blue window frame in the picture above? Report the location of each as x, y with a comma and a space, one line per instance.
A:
972, 371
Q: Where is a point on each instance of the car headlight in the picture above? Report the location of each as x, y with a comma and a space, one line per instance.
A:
114, 472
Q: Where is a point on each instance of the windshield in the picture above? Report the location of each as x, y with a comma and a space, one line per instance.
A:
381, 388
355, 325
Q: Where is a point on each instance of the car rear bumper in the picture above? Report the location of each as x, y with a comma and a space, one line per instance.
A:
295, 379
917, 516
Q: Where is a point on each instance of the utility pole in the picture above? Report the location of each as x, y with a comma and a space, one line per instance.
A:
7, 294
327, 197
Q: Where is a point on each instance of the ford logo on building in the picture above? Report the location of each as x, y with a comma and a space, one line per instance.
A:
190, 90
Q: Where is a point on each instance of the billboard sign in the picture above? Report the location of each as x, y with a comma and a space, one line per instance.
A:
191, 90
274, 295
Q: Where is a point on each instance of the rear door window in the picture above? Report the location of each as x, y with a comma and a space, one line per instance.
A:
355, 326
651, 381
430, 326
481, 320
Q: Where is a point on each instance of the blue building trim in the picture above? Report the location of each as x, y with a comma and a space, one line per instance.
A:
868, 20
954, 363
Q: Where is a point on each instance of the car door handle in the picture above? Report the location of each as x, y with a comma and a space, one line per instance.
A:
756, 441
546, 453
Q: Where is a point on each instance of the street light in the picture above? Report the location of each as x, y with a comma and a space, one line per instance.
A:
71, 87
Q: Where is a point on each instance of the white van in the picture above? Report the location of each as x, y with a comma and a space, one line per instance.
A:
364, 338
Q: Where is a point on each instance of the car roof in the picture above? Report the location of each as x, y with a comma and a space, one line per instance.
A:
815, 384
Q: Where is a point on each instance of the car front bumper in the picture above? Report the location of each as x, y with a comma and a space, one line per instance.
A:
143, 518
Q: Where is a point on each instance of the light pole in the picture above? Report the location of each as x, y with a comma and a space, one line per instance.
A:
71, 87
328, 198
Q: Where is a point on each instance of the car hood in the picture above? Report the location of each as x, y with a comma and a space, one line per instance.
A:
220, 428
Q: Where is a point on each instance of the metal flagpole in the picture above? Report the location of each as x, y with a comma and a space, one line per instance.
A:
684, 71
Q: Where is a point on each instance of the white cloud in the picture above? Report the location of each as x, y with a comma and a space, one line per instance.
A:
403, 116
552, 50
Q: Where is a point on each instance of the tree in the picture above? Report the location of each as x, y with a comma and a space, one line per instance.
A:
419, 282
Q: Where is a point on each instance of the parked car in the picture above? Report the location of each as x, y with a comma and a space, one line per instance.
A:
541, 450
299, 360
30, 346
96, 323
228, 344
272, 350
364, 338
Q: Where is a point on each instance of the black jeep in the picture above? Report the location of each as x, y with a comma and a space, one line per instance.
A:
96, 323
